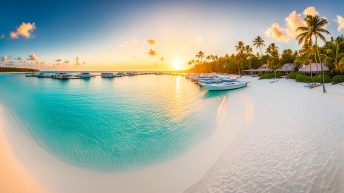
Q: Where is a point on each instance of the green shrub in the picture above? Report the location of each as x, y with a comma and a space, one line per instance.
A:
338, 78
319, 78
308, 79
270, 75
293, 75
303, 78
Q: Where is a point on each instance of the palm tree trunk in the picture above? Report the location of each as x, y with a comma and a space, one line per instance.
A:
261, 53
321, 66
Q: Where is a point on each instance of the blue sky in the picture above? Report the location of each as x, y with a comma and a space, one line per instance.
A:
115, 33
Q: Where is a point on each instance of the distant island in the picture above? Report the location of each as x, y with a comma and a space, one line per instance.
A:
12, 69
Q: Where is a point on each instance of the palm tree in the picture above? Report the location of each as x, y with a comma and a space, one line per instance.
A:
259, 43
273, 61
240, 47
314, 29
334, 57
200, 55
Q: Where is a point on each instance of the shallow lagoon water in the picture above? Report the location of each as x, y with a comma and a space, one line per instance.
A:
111, 124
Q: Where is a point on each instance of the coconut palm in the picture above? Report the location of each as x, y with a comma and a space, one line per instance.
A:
314, 29
259, 43
240, 48
273, 60
333, 57
200, 55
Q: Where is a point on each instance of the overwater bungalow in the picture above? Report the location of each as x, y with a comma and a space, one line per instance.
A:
314, 68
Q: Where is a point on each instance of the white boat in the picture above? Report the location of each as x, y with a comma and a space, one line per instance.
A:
225, 85
107, 75
209, 81
40, 75
84, 75
61, 75
30, 74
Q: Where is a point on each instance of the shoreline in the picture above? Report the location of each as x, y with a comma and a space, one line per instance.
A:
269, 137
183, 171
12, 170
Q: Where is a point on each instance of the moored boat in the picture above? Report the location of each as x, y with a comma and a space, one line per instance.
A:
30, 74
107, 75
84, 75
61, 75
225, 86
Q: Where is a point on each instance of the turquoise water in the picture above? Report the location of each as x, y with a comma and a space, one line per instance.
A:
111, 124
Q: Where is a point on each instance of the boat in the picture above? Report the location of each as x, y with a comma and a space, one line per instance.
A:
225, 86
312, 85
40, 75
107, 75
30, 74
130, 74
84, 75
61, 75
118, 74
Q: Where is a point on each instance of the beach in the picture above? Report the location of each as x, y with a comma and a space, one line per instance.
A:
279, 137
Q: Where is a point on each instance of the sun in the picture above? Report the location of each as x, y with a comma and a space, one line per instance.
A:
177, 64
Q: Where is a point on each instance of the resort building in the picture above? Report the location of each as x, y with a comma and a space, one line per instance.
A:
313, 68
286, 68
263, 69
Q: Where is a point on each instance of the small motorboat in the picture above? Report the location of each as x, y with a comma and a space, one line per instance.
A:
61, 76
84, 75
30, 74
225, 85
107, 75
312, 85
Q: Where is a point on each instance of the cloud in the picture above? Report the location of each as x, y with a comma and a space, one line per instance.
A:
277, 32
340, 21
152, 52
66, 62
77, 61
33, 57
151, 42
2, 36
58, 60
25, 30
4, 59
310, 11
294, 21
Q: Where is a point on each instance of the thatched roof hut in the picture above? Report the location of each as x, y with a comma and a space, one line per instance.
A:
288, 67
314, 68
264, 68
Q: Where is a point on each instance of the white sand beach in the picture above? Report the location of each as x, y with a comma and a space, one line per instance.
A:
279, 137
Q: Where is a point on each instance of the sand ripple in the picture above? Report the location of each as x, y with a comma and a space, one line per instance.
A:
293, 143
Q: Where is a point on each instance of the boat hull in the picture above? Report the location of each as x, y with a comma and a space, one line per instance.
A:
216, 87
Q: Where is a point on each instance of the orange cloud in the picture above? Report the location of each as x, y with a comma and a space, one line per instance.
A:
294, 21
4, 59
25, 30
310, 11
340, 21
277, 32
151, 42
77, 61
152, 52
33, 57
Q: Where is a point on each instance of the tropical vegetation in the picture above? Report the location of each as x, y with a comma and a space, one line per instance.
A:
12, 69
252, 56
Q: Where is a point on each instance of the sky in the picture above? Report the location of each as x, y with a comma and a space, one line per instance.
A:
147, 35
